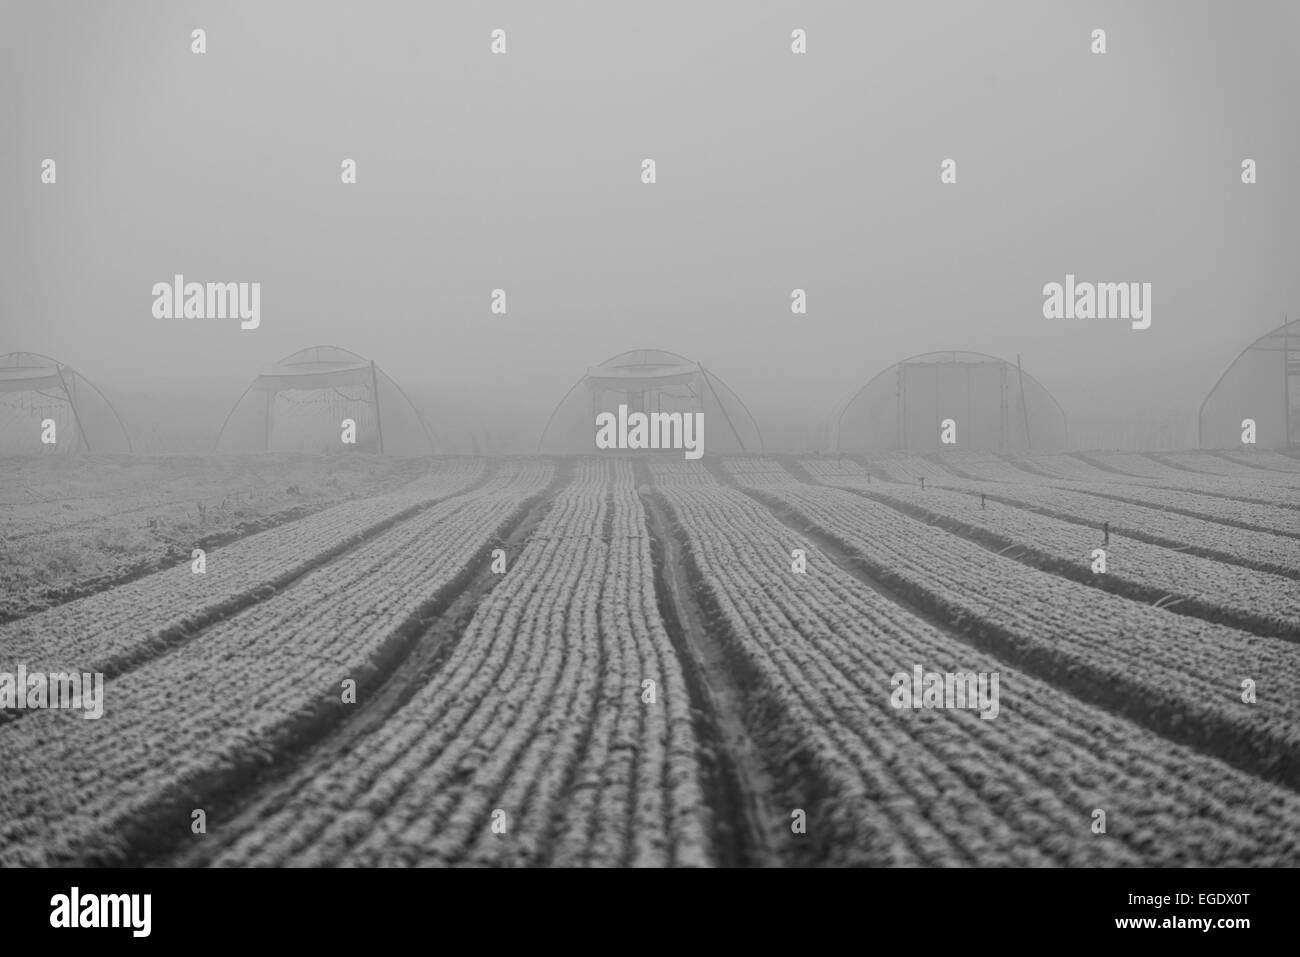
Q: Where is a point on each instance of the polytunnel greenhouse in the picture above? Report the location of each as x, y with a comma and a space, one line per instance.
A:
993, 404
650, 381
303, 402
1261, 385
47, 407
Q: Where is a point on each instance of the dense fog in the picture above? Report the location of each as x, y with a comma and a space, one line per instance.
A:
523, 172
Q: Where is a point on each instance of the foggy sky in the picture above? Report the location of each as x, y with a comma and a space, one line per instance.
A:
775, 171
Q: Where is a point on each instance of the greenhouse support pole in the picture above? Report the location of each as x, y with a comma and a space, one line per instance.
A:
130, 448
902, 404
72, 401
937, 411
216, 446
1002, 409
379, 423
741, 442
76, 409
1024, 408
1286, 379
428, 433
969, 416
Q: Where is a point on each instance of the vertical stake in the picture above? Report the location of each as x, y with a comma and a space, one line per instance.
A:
374, 391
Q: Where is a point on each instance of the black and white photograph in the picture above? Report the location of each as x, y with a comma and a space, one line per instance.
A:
717, 436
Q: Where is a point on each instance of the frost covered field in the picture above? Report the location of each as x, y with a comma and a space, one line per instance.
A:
631, 660
74, 524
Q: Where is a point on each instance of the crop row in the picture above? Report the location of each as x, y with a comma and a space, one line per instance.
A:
214, 710
889, 786
1254, 549
1137, 465
1252, 515
985, 467
1265, 459
1232, 466
1217, 590
1225, 476
44, 496
535, 743
1060, 465
110, 629
1181, 675
1200, 471
1148, 479
1131, 468
902, 467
